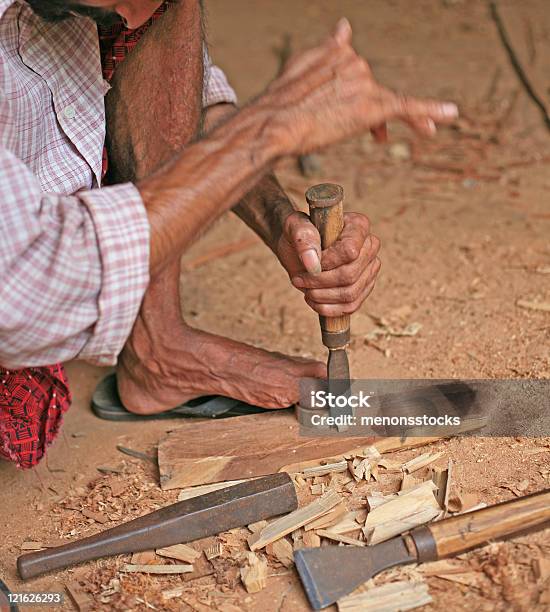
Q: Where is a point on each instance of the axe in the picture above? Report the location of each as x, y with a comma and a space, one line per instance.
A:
332, 572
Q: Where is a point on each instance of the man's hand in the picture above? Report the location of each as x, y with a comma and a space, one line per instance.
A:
328, 94
339, 279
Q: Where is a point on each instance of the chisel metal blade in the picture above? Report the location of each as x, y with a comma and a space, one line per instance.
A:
339, 381
332, 572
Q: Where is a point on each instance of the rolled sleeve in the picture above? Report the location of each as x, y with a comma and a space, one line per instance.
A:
73, 269
216, 88
122, 231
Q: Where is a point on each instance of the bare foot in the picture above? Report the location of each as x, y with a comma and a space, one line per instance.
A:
165, 363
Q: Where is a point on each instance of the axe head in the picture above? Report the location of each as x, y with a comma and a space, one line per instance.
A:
332, 572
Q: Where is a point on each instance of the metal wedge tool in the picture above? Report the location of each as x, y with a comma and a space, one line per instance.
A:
326, 211
179, 523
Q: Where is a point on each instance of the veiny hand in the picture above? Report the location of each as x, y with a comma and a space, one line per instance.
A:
339, 279
328, 93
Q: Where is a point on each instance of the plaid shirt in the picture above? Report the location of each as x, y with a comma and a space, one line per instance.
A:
73, 257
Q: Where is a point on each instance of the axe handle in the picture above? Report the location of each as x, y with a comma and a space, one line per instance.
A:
466, 531
326, 211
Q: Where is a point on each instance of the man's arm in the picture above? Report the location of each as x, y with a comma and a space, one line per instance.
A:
266, 207
323, 96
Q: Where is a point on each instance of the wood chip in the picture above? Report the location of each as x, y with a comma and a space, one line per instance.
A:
421, 461
214, 551
377, 499
318, 489
282, 551
346, 524
392, 597
310, 539
323, 470
32, 546
257, 526
444, 566
390, 466
95, 516
461, 501
298, 539
190, 492
534, 305
338, 537
385, 445
330, 518
408, 510
81, 599
441, 477
117, 487
173, 593
541, 569
157, 569
469, 579
408, 482
280, 527
254, 574
181, 552
143, 557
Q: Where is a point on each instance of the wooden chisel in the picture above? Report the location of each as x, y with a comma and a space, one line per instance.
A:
332, 572
326, 211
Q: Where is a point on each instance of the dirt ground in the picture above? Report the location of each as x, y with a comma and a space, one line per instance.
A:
464, 222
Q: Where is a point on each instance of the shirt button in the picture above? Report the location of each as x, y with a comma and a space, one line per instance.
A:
69, 112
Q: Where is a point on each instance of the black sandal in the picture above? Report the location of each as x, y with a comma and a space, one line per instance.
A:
106, 404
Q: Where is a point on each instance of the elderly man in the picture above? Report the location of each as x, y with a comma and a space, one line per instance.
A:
89, 259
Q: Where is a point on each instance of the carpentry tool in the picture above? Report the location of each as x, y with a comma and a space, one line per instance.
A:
326, 210
179, 523
331, 572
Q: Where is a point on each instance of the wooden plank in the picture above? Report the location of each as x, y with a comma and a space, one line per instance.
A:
241, 447
290, 522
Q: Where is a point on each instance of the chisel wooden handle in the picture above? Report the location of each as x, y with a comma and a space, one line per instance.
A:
499, 522
326, 210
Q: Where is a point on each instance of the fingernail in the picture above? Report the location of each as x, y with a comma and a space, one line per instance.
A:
298, 281
431, 126
311, 261
450, 110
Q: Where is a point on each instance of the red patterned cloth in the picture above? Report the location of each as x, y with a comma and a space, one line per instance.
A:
33, 400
